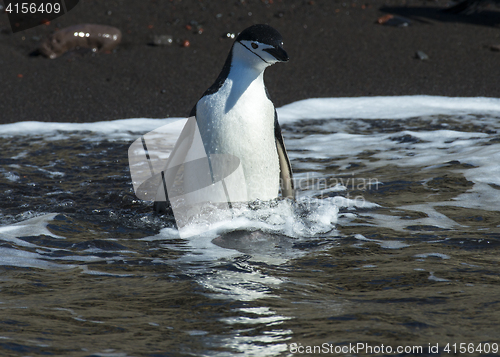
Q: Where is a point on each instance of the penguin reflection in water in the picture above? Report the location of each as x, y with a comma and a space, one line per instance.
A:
236, 117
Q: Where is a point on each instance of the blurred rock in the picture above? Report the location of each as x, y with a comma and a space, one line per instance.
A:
393, 20
421, 56
162, 40
88, 36
495, 48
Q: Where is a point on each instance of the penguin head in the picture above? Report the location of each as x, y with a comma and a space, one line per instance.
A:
263, 45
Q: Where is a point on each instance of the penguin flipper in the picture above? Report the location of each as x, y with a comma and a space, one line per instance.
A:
286, 176
162, 204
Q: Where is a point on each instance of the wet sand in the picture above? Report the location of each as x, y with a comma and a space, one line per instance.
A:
336, 48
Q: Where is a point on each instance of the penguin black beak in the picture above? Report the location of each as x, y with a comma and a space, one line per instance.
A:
278, 52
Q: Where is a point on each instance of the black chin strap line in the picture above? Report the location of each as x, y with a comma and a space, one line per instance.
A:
253, 52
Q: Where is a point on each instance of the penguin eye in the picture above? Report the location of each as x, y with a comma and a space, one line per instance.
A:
254, 45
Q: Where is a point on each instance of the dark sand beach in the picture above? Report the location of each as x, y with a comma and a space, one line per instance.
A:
336, 48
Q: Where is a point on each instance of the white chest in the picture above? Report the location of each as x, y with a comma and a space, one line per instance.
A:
239, 120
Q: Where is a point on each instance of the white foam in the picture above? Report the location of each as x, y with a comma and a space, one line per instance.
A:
86, 270
30, 227
388, 244
435, 278
21, 258
268, 231
137, 125
397, 107
11, 176
437, 255
430, 149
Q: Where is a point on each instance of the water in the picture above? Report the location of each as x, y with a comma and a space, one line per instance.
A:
394, 240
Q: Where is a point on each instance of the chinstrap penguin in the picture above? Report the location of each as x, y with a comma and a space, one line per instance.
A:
235, 116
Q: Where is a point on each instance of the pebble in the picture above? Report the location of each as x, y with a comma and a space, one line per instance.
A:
162, 40
195, 25
392, 20
495, 48
421, 56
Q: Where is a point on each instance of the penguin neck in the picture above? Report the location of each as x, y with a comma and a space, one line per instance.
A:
246, 73
243, 76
